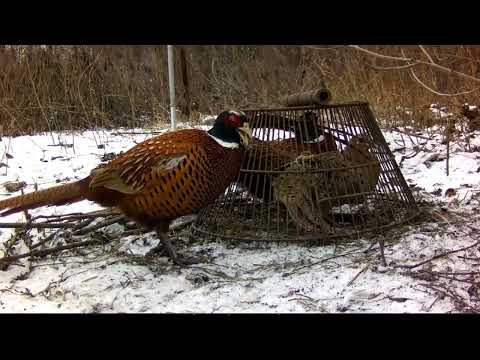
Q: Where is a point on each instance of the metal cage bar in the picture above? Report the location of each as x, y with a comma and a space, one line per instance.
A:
313, 174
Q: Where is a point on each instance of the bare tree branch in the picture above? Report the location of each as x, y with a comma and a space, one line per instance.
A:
400, 67
333, 47
451, 71
417, 79
426, 54
411, 61
436, 92
382, 56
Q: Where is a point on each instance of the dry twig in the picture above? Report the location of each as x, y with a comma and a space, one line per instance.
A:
447, 253
7, 260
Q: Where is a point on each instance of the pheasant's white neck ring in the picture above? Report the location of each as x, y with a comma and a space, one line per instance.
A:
225, 144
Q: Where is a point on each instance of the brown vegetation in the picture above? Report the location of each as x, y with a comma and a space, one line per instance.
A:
75, 87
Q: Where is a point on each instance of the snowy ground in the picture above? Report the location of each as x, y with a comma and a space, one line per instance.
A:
343, 278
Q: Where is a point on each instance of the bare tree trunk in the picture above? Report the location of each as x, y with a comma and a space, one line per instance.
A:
185, 81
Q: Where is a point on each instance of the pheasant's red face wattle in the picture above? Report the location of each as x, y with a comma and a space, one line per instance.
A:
231, 130
234, 121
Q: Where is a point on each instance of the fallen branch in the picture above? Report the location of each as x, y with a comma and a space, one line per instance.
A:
450, 294
100, 225
451, 275
27, 225
80, 228
7, 260
358, 274
371, 248
44, 241
50, 225
437, 257
395, 129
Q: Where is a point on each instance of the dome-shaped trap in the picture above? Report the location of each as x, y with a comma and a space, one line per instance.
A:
313, 173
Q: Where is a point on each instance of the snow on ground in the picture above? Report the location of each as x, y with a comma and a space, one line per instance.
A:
279, 278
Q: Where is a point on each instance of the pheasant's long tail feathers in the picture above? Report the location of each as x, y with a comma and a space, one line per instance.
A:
57, 195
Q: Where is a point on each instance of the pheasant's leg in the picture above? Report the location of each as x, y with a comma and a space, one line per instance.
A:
318, 219
308, 217
298, 218
167, 245
181, 261
327, 219
161, 227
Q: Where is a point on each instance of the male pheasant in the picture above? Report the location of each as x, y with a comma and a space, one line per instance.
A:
313, 184
264, 156
160, 179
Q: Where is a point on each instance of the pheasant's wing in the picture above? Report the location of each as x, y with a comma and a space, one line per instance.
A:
128, 173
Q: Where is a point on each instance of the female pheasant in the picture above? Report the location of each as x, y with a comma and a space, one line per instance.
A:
158, 180
313, 184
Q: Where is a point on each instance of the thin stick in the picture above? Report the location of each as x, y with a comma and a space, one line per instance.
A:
426, 54
99, 225
448, 147
7, 260
50, 225
358, 274
437, 257
25, 225
394, 129
400, 67
381, 55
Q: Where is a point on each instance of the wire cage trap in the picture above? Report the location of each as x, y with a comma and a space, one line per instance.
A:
313, 173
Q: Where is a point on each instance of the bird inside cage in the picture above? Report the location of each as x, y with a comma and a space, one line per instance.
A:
264, 156
314, 183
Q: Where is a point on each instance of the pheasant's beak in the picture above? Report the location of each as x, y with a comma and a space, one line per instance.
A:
245, 133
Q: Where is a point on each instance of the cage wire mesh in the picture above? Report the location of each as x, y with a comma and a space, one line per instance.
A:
313, 173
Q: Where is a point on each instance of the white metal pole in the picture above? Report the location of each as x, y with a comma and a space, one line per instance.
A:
171, 84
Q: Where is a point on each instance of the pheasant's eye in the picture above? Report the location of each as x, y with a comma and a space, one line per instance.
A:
234, 121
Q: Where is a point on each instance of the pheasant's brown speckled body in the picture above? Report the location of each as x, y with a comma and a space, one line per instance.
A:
158, 180
153, 189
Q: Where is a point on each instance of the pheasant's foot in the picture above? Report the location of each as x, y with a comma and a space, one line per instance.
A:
177, 259
189, 260
323, 225
158, 250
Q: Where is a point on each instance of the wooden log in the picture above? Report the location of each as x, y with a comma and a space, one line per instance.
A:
320, 96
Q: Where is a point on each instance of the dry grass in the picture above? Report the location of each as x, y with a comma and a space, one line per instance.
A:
76, 87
